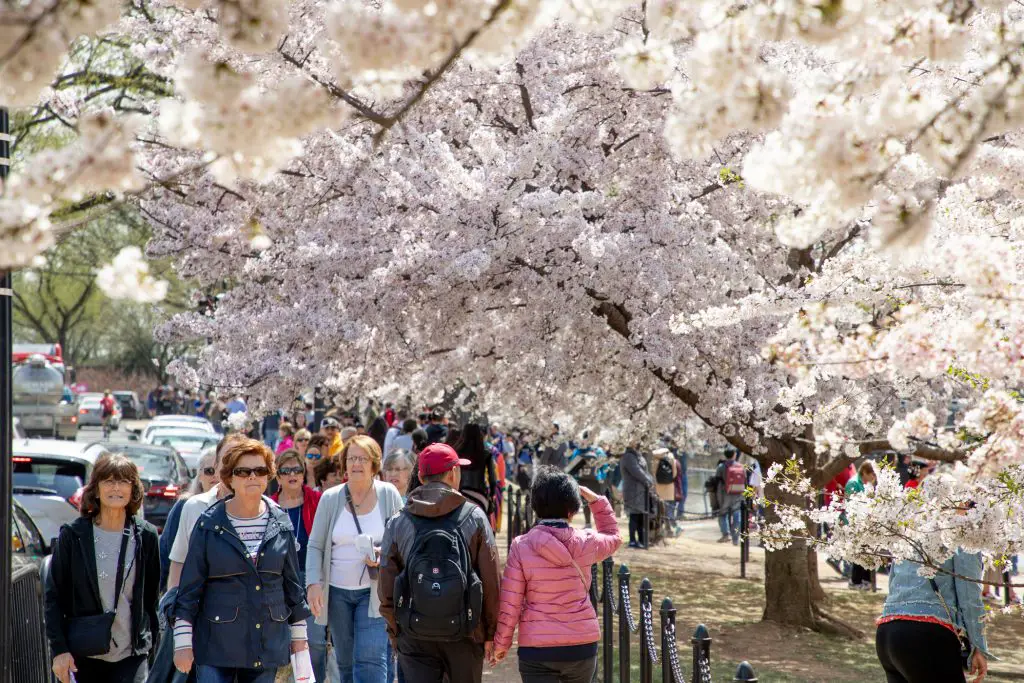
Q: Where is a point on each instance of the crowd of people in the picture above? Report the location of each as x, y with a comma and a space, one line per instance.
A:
303, 534
378, 542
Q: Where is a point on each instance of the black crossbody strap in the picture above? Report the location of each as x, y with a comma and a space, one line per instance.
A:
352, 509
119, 579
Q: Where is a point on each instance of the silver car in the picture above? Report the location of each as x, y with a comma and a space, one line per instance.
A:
90, 413
48, 475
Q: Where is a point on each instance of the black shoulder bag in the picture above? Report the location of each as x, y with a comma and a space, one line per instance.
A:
965, 642
90, 636
373, 572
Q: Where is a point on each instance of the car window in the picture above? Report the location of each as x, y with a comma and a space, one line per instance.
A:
63, 477
30, 536
152, 465
17, 542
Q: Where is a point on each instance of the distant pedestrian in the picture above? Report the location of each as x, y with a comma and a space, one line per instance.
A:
546, 593
732, 482
860, 577
637, 485
103, 585
240, 611
441, 628
436, 430
286, 440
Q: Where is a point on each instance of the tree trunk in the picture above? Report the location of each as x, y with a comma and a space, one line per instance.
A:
792, 590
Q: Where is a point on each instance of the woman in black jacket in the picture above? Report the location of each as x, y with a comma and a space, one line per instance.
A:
103, 584
479, 480
241, 610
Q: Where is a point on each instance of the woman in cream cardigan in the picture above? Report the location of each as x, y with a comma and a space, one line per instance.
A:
341, 574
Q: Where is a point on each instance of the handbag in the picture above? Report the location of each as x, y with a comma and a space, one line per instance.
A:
966, 648
90, 636
372, 572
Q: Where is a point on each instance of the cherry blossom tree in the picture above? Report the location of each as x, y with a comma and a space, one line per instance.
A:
625, 213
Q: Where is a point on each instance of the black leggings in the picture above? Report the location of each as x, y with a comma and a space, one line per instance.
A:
919, 652
859, 575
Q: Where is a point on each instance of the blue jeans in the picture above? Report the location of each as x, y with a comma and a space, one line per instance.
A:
360, 641
222, 674
272, 438
729, 523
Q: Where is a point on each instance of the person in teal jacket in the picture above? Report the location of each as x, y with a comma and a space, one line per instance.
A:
860, 577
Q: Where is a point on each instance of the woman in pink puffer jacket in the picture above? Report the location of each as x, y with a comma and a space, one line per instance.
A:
545, 590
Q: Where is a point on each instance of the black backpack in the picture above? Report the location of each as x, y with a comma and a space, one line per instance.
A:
663, 475
438, 596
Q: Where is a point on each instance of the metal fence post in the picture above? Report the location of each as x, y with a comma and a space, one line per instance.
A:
624, 619
1006, 588
745, 673
608, 617
508, 511
518, 528
743, 538
528, 512
646, 631
701, 654
669, 657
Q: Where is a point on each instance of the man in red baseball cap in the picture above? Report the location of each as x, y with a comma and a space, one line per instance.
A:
439, 555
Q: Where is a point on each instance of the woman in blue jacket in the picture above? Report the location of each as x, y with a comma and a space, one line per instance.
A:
240, 611
932, 630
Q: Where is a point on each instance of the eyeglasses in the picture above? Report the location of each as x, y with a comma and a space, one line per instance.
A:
313, 455
361, 459
209, 471
247, 472
117, 482
297, 469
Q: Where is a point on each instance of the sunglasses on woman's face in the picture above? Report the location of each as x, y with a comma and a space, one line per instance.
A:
301, 440
209, 471
313, 455
246, 472
297, 469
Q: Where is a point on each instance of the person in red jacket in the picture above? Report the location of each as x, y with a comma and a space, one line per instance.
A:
545, 591
300, 502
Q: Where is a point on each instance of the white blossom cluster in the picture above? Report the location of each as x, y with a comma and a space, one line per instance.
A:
127, 277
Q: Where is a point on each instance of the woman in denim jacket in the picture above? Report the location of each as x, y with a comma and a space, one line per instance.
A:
917, 638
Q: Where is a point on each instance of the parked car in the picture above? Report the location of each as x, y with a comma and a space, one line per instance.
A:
189, 443
48, 477
90, 412
131, 406
26, 539
163, 472
163, 422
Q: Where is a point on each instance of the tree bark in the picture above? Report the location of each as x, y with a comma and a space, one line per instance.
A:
792, 590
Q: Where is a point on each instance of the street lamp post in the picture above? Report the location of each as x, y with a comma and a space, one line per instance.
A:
6, 430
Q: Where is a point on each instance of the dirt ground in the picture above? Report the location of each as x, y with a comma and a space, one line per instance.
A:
702, 577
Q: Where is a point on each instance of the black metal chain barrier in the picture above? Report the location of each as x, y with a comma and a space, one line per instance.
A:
647, 617
674, 670
628, 609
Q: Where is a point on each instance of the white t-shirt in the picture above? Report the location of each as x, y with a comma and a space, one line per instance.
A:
194, 507
347, 567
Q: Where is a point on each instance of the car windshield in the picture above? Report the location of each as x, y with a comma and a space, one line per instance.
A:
151, 465
185, 442
60, 476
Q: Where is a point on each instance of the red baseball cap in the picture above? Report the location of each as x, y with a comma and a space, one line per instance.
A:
438, 458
